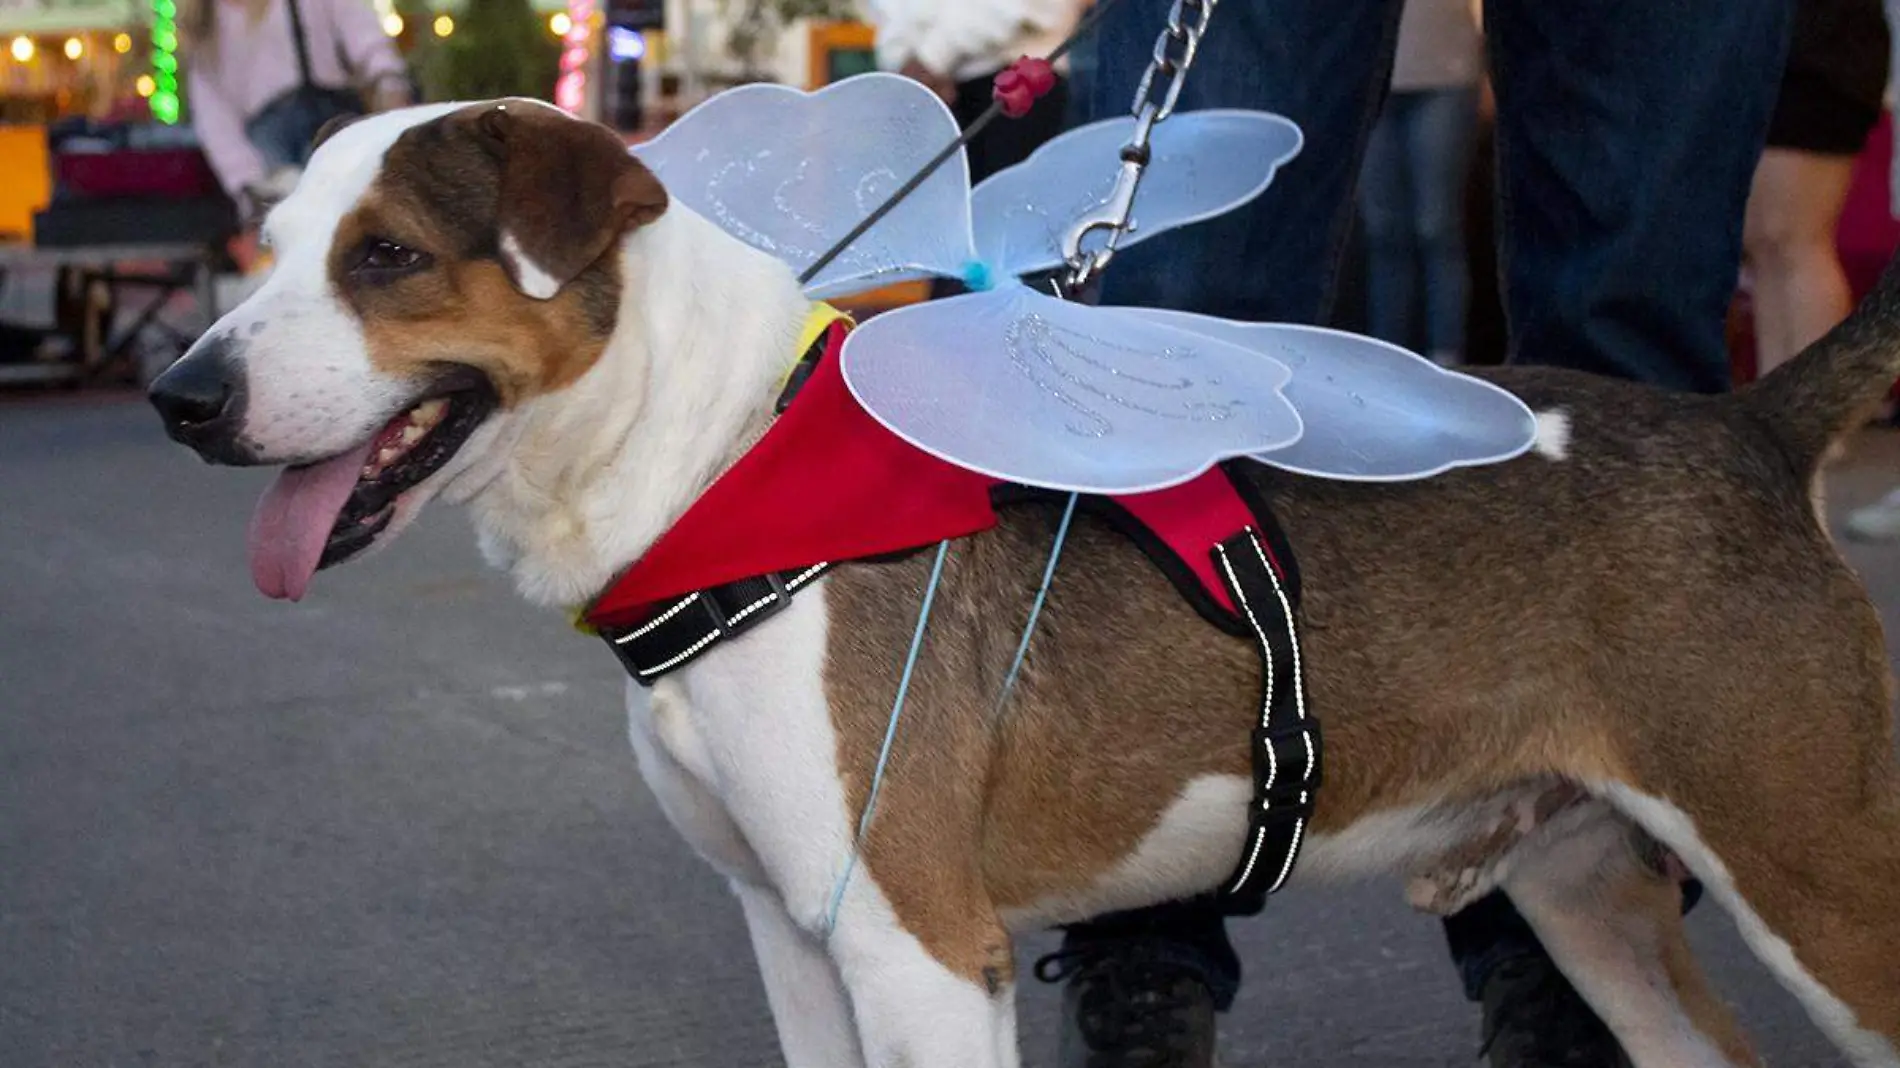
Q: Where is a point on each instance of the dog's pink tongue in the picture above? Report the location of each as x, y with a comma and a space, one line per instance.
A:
293, 522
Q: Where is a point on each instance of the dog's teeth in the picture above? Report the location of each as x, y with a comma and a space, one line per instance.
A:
387, 454
428, 412
412, 434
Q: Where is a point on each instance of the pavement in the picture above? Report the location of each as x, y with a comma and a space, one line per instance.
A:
398, 824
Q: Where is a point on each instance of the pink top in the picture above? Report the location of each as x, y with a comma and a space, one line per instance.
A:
249, 65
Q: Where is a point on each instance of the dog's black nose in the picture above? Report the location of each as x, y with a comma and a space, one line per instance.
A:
200, 398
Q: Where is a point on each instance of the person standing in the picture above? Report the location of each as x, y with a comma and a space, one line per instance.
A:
263, 76
1627, 135
1831, 97
957, 49
1411, 183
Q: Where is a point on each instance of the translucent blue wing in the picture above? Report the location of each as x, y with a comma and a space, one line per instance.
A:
1044, 392
791, 172
1204, 163
1373, 412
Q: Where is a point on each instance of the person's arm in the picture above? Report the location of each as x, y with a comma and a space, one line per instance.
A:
220, 131
964, 31
899, 25
896, 22
371, 54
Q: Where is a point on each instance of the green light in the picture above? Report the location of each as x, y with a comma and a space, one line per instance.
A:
165, 102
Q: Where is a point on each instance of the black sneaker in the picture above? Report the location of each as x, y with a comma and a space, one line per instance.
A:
1534, 1018
1128, 1005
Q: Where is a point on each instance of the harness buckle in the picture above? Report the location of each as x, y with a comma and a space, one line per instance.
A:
759, 604
1296, 779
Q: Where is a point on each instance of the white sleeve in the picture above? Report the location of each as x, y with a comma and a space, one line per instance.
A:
220, 131
371, 53
896, 24
944, 36
971, 30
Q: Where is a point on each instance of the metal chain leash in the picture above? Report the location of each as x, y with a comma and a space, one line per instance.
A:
1155, 98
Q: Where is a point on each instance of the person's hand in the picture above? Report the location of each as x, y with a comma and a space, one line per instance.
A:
941, 84
244, 250
260, 196
390, 93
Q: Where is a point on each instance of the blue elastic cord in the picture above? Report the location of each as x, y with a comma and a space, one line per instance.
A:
1035, 611
977, 278
890, 735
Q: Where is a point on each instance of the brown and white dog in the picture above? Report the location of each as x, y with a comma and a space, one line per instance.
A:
1531, 674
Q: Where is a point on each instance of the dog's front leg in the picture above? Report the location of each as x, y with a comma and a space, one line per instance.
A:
815, 1028
948, 1004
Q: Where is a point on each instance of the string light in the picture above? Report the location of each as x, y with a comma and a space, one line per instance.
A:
444, 25
165, 61
145, 85
392, 25
570, 92
74, 48
122, 43
22, 49
560, 23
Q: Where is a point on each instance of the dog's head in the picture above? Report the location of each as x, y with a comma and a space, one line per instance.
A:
435, 268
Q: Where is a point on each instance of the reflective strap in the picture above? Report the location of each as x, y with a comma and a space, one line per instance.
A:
691, 626
1286, 744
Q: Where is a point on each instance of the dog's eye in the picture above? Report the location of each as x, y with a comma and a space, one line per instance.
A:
387, 257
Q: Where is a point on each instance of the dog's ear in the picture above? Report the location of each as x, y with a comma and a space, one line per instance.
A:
568, 190
329, 129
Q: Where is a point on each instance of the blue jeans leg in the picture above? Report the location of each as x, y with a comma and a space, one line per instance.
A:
1438, 149
1411, 202
1628, 132
1323, 64
1386, 211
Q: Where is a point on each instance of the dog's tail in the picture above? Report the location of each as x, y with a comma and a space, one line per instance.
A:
1835, 383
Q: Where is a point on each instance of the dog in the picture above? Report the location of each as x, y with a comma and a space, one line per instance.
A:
1531, 674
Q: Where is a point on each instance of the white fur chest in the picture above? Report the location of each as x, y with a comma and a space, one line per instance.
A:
739, 749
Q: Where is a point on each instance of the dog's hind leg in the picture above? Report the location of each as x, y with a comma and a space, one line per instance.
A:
1814, 892
1613, 923
815, 1027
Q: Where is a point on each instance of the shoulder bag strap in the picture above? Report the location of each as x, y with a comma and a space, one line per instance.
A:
303, 47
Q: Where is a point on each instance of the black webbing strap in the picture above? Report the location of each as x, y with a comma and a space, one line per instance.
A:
1286, 743
694, 625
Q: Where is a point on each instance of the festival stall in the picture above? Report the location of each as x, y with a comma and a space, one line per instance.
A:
102, 187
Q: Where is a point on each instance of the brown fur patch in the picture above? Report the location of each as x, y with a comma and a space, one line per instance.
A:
447, 189
1660, 609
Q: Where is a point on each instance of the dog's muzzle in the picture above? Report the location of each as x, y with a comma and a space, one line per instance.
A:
201, 400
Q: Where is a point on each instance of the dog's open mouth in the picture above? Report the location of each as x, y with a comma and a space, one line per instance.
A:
320, 514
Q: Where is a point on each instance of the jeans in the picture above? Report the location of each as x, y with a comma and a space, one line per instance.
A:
1627, 134
1411, 203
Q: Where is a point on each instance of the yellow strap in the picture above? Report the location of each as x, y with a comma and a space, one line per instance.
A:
817, 321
